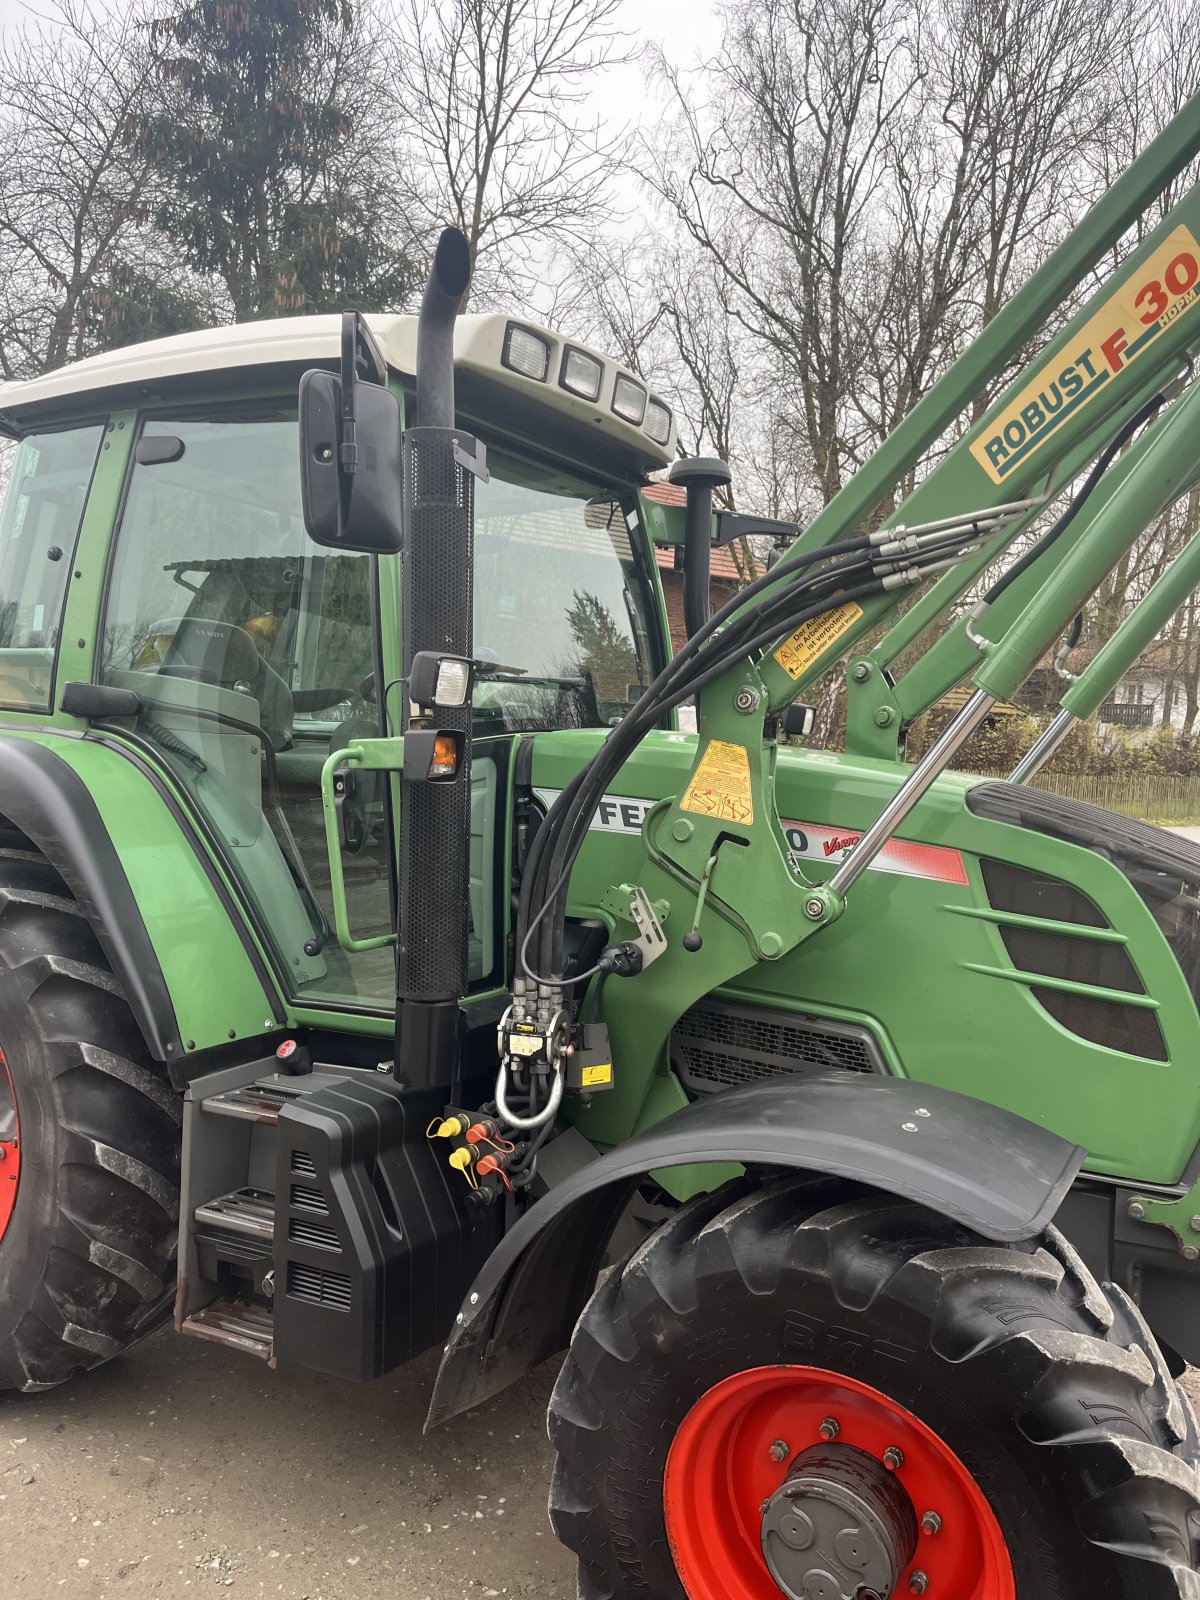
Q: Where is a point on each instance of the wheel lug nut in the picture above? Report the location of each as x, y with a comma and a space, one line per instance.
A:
780, 1451
931, 1523
918, 1583
893, 1460
830, 1428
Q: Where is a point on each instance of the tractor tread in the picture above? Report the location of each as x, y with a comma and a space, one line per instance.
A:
1085, 1378
94, 1272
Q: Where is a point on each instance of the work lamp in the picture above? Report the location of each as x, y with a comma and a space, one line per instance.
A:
658, 421
629, 400
581, 373
438, 681
526, 352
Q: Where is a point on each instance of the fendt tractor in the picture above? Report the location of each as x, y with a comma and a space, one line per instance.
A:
383, 970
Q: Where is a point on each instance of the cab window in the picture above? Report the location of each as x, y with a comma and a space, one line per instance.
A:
253, 652
48, 477
562, 606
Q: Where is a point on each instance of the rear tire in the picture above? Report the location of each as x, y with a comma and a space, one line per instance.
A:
1050, 1392
87, 1260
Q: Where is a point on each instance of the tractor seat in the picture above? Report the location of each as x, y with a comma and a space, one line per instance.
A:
222, 653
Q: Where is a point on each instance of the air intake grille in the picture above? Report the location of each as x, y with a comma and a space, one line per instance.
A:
717, 1047
317, 1286
306, 1199
303, 1164
315, 1234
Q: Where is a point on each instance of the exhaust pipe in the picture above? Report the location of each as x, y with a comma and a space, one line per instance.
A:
440, 464
449, 278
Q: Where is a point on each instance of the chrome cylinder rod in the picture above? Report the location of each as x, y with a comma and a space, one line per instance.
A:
1043, 747
931, 765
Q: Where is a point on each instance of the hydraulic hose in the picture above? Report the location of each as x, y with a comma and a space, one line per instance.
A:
1056, 530
783, 581
572, 827
796, 598
567, 823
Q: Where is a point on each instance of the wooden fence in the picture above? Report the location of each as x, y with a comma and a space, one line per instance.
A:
1153, 799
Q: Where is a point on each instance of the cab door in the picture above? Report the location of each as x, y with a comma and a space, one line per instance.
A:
255, 654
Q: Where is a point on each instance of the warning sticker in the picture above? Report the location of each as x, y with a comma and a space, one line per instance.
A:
813, 638
720, 785
1166, 286
601, 1072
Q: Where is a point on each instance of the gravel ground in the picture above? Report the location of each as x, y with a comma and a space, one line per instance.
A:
187, 1469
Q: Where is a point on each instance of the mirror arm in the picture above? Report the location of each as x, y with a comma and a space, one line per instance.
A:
347, 447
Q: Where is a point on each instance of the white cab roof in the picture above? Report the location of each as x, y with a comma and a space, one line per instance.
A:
479, 340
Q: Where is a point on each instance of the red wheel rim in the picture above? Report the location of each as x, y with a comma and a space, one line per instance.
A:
720, 1472
10, 1146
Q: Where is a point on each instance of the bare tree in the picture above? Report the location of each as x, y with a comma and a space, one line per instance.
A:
490, 97
873, 179
70, 189
777, 178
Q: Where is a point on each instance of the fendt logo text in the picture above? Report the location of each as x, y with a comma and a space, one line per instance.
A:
1150, 300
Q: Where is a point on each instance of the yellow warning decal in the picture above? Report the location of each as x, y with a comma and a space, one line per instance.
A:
811, 639
600, 1073
1163, 289
720, 785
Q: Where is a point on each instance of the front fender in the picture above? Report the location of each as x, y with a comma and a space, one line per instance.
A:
977, 1163
170, 929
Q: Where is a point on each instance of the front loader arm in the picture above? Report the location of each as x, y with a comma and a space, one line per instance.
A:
1121, 359
717, 861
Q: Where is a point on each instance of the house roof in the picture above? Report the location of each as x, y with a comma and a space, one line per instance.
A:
722, 567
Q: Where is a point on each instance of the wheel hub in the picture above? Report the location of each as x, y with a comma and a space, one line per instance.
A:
839, 1527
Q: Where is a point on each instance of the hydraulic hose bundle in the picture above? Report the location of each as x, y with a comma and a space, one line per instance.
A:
787, 597
773, 606
537, 1031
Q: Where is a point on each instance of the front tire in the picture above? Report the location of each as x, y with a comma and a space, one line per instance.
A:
1033, 1404
87, 1252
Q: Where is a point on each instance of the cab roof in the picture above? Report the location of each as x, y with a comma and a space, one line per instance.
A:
160, 368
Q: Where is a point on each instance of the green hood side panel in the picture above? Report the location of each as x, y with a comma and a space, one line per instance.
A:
922, 962
216, 993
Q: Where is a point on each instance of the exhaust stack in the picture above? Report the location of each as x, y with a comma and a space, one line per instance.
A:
440, 465
449, 279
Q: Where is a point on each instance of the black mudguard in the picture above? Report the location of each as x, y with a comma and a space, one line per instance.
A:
977, 1163
50, 804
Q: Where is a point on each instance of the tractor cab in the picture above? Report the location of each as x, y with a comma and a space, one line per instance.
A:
242, 655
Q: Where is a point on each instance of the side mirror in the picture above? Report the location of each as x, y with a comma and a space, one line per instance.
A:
350, 473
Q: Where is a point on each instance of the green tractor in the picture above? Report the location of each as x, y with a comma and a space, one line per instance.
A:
383, 970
